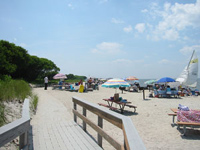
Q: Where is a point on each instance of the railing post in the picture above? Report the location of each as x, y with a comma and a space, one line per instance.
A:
23, 140
84, 124
100, 124
75, 117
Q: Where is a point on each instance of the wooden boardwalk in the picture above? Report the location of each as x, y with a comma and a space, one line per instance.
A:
62, 136
53, 128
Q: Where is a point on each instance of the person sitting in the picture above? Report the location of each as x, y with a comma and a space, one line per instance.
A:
60, 83
168, 90
71, 87
162, 88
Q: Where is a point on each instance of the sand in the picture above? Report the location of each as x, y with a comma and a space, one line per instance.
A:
151, 118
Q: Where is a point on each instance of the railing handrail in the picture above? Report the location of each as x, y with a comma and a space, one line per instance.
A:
17, 128
132, 139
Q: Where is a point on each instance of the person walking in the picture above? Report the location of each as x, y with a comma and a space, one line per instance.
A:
45, 83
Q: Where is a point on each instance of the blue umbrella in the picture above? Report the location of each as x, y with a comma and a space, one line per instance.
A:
165, 79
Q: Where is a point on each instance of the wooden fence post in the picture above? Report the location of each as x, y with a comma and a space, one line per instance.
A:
23, 140
100, 124
75, 117
84, 124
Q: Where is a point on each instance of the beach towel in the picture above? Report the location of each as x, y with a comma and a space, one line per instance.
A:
188, 116
123, 101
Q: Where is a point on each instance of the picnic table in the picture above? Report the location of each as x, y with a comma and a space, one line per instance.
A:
121, 104
186, 118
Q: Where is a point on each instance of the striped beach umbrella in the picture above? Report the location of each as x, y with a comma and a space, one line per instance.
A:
60, 76
115, 83
131, 78
150, 82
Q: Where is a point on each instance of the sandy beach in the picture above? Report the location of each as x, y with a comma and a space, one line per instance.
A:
151, 118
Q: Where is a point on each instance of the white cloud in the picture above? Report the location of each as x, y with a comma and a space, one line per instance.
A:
140, 27
174, 19
187, 50
171, 35
122, 61
107, 48
164, 61
144, 11
70, 6
117, 21
128, 29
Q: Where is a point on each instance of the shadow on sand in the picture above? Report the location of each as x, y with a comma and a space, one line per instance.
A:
191, 134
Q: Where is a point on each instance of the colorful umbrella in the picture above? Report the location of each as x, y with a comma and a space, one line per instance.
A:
131, 78
60, 76
165, 79
115, 83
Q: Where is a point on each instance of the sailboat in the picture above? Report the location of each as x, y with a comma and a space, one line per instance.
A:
189, 75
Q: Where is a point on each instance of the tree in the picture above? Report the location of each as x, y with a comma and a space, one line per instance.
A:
17, 63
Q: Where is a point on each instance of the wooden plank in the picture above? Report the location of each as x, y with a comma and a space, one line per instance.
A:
172, 114
131, 106
111, 140
13, 130
64, 136
105, 114
90, 143
188, 123
131, 136
112, 108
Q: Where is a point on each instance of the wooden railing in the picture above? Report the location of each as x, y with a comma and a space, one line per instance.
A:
132, 140
17, 128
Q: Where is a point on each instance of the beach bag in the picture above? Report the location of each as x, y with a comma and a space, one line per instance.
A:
116, 97
184, 108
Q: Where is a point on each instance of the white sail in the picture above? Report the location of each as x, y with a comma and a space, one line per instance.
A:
190, 74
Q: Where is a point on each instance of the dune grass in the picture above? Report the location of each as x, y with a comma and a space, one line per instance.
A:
14, 89
11, 90
35, 101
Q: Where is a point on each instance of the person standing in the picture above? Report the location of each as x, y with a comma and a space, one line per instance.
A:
45, 83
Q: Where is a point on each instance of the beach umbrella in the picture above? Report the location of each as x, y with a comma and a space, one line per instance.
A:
60, 76
115, 83
165, 79
149, 82
131, 78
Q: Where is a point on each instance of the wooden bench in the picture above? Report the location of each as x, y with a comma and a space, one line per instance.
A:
187, 124
131, 106
173, 114
112, 108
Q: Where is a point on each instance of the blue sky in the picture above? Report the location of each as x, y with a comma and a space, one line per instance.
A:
106, 38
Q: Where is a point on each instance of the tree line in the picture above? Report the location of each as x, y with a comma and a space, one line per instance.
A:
17, 63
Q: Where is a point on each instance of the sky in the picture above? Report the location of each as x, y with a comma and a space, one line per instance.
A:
148, 39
